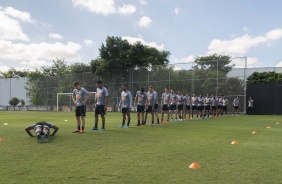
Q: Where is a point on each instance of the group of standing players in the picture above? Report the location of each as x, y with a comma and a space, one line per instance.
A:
176, 106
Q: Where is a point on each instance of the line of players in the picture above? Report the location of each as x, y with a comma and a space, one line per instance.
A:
180, 105
177, 105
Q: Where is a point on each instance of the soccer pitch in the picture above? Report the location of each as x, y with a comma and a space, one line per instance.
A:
150, 154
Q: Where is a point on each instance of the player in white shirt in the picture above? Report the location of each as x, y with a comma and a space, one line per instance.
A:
180, 103
214, 103
207, 106
236, 102
194, 101
172, 105
165, 104
187, 103
224, 106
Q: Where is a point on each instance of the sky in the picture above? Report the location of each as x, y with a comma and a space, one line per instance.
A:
34, 32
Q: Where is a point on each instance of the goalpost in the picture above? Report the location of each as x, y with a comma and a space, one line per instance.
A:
70, 103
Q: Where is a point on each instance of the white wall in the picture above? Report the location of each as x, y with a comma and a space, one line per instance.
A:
12, 87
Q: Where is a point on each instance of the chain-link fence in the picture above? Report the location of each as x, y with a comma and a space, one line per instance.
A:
184, 77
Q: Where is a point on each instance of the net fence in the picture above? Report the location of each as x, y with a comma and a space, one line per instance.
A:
184, 77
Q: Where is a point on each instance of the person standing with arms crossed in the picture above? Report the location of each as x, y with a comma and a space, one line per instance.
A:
125, 104
80, 97
100, 104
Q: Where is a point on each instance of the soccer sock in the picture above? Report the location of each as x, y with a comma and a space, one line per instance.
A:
139, 122
123, 122
82, 127
78, 127
128, 122
103, 125
158, 120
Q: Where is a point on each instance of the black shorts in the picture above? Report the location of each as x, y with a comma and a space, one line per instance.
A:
172, 107
80, 110
219, 107
165, 108
188, 107
156, 106
100, 109
224, 108
236, 107
213, 107
140, 108
149, 109
200, 108
124, 110
180, 107
207, 107
194, 107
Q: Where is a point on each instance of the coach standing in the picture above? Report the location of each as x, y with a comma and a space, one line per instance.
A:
100, 105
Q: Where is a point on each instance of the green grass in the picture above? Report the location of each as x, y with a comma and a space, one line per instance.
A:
151, 154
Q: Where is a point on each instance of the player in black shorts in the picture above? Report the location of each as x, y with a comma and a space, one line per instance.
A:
194, 101
141, 102
100, 105
172, 105
80, 97
207, 106
165, 104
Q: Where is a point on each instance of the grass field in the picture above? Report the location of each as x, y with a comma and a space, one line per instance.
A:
151, 154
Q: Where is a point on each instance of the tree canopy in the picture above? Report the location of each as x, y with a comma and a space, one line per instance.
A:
214, 62
264, 77
118, 55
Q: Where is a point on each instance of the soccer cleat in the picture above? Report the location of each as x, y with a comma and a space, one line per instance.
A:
126, 126
39, 138
167, 121
81, 131
77, 131
161, 121
46, 138
102, 129
171, 120
121, 126
158, 123
185, 119
94, 128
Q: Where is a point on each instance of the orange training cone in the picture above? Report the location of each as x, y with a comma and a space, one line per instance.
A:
277, 123
1, 140
234, 142
254, 132
194, 165
268, 127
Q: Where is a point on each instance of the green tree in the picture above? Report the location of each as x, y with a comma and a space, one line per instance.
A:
214, 62
13, 73
264, 77
79, 68
14, 102
59, 67
118, 56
